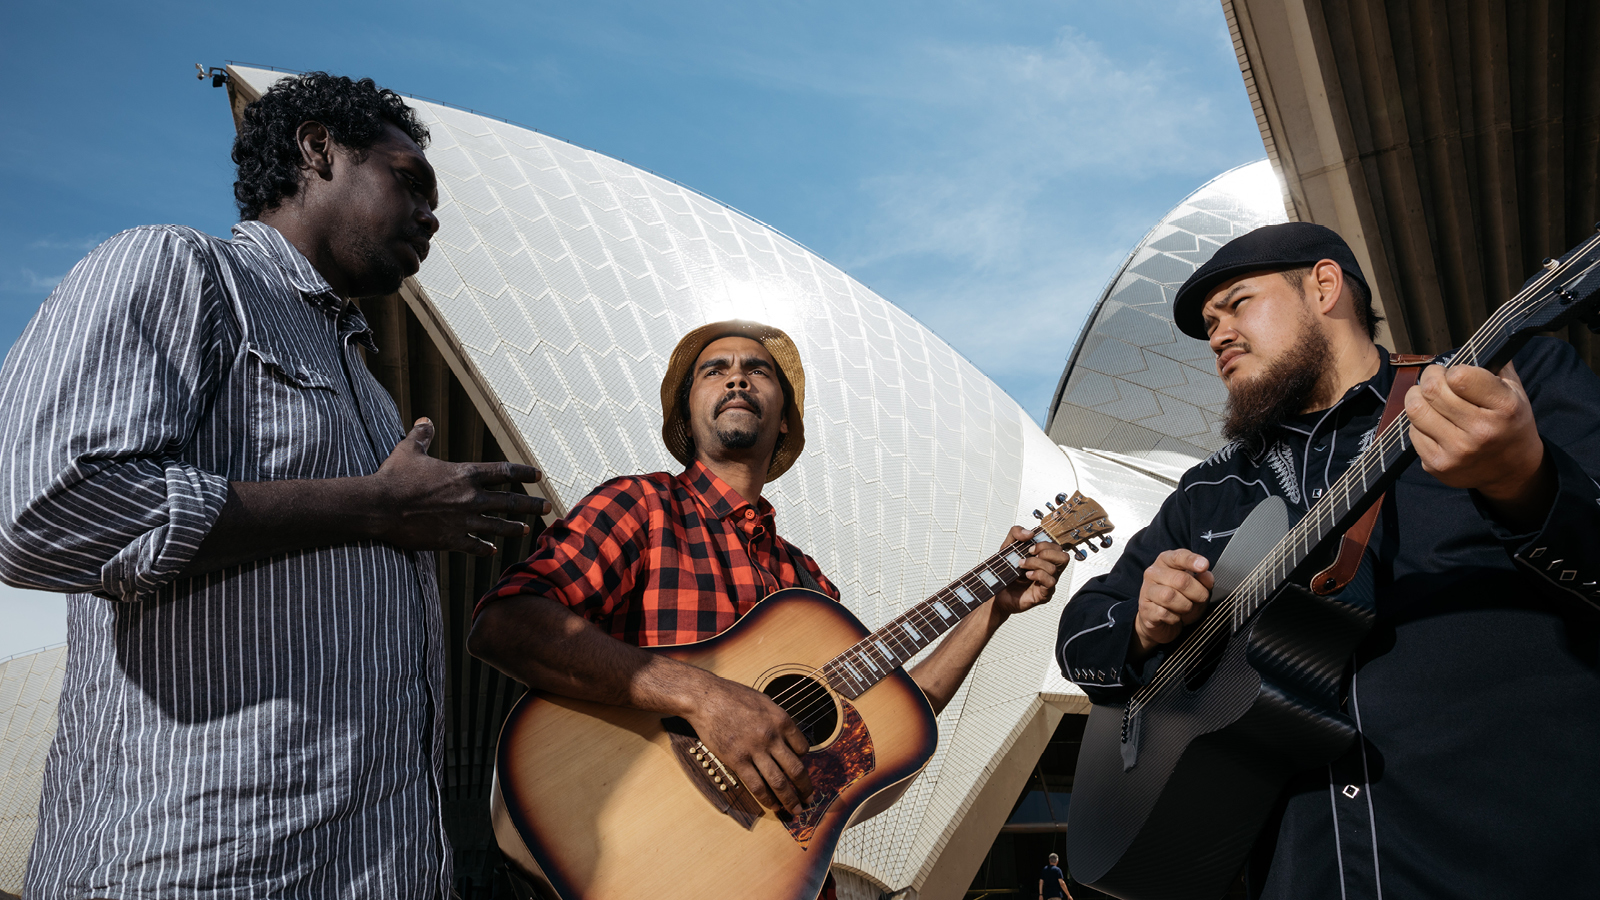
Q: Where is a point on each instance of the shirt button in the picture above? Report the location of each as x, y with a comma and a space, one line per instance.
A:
749, 514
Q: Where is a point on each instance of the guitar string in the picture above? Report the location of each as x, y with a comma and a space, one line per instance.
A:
819, 701
1393, 436
886, 632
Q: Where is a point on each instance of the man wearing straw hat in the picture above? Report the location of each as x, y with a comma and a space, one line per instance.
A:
661, 559
1477, 692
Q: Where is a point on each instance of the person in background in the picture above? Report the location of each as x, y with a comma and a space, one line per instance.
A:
1052, 883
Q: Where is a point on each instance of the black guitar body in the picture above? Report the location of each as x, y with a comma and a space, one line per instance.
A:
1179, 824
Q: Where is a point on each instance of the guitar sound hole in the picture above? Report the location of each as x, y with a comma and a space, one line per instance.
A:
807, 702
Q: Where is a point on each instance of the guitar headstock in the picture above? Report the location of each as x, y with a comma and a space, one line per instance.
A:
1563, 292
1074, 522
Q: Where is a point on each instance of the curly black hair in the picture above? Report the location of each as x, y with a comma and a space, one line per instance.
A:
267, 153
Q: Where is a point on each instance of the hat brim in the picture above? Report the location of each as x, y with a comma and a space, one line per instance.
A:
675, 431
1191, 298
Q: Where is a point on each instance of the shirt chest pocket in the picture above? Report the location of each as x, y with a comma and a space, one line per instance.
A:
299, 412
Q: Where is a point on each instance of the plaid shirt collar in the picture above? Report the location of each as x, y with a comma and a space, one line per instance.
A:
305, 278
723, 501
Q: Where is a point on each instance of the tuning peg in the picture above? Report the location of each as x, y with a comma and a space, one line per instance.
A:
1105, 540
1549, 262
1093, 547
1038, 515
1050, 506
1061, 498
1078, 552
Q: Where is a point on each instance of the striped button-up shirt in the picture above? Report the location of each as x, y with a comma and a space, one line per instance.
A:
270, 729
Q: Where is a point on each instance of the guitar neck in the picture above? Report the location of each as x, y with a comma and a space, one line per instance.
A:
852, 672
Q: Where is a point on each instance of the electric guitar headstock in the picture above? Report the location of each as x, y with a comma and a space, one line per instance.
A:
1074, 522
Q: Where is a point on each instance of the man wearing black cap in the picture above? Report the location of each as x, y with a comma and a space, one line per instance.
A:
1477, 692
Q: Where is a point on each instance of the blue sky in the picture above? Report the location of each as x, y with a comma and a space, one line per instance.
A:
985, 166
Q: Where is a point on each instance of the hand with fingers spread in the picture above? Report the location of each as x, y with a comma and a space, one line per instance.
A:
1174, 594
430, 504
755, 738
1474, 429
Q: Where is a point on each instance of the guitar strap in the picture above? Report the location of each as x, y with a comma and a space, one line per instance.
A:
806, 581
1408, 368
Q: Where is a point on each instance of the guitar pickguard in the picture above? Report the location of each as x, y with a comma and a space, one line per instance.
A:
832, 769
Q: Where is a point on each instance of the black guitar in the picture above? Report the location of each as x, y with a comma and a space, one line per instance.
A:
1174, 785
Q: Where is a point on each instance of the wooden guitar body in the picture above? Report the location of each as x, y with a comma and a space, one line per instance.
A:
595, 802
1180, 822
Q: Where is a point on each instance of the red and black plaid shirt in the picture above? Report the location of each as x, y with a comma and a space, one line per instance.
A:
661, 559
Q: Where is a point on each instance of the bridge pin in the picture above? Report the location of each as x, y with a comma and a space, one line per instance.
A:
722, 787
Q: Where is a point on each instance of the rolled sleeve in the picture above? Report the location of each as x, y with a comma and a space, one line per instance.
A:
107, 386
588, 560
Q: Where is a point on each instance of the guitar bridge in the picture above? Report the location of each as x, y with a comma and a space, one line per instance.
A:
714, 781
832, 769
1130, 739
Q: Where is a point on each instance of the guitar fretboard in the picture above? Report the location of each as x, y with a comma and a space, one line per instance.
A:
852, 672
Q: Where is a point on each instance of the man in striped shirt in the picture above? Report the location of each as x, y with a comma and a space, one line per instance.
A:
197, 454
660, 559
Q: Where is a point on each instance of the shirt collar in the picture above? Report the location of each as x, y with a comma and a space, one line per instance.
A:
717, 496
305, 278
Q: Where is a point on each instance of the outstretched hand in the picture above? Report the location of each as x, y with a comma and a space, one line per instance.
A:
429, 504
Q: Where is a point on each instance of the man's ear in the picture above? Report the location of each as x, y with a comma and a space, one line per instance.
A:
783, 423
316, 149
1329, 281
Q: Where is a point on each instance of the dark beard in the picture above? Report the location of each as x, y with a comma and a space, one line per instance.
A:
1287, 387
733, 437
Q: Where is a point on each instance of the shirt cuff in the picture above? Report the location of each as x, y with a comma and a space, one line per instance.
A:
194, 501
1562, 551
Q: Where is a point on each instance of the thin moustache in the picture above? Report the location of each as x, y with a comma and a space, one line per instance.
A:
755, 405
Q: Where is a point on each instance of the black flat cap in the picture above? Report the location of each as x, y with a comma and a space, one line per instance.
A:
1289, 245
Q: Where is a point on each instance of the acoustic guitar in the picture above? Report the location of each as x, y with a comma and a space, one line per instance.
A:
597, 802
1174, 785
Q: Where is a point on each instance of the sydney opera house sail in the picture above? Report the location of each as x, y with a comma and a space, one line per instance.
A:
1135, 385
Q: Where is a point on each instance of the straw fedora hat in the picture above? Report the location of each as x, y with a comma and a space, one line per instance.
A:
675, 431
